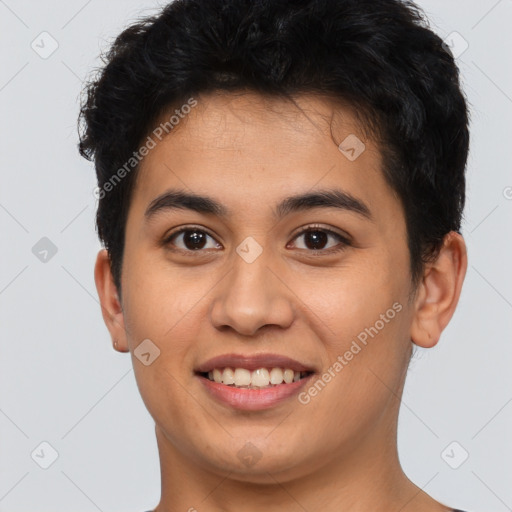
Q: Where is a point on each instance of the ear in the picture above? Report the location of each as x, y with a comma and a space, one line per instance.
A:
439, 291
111, 307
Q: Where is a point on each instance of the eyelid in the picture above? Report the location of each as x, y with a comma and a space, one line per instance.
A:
311, 227
187, 227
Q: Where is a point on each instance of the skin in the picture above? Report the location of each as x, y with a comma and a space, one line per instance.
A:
248, 153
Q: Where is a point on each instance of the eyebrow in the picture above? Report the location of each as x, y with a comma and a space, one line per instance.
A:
330, 198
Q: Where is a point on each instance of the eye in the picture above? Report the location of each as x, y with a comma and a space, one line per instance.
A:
191, 238
316, 237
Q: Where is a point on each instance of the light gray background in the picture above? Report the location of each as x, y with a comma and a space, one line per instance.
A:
60, 380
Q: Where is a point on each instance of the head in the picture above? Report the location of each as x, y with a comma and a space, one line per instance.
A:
247, 123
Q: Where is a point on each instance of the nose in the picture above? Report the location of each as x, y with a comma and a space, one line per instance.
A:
252, 296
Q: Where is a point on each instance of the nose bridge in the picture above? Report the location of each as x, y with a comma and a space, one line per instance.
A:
251, 296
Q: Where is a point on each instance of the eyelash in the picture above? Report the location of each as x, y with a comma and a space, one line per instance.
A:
344, 241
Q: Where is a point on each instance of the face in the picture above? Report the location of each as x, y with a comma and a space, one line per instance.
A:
253, 277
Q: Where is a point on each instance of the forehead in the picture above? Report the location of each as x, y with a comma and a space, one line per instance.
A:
245, 147
224, 120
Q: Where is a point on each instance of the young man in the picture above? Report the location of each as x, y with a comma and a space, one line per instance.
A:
281, 187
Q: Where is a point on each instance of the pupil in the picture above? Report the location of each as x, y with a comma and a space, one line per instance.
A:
317, 237
195, 238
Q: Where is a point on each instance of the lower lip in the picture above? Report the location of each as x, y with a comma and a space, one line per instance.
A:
253, 399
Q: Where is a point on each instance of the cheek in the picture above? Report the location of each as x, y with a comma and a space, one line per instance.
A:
156, 298
352, 297
164, 304
364, 319
157, 311
363, 375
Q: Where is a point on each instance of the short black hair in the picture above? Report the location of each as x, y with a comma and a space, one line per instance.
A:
378, 55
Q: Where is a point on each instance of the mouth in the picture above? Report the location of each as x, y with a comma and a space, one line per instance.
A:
253, 382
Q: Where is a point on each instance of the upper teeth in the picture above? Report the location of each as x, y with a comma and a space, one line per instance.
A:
261, 377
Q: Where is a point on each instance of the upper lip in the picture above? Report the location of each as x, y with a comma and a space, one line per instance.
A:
252, 362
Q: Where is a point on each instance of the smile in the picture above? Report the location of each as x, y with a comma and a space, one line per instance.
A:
253, 382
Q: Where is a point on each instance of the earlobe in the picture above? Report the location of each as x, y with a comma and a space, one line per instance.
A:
111, 307
439, 291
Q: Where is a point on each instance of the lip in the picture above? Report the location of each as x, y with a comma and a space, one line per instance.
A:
253, 362
252, 399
